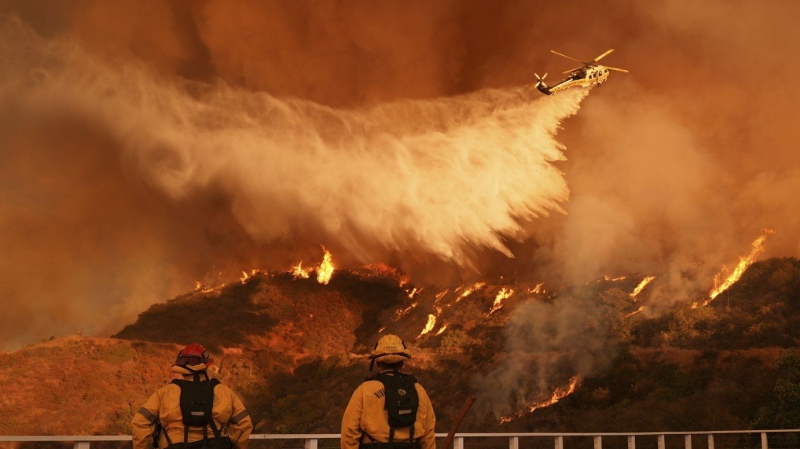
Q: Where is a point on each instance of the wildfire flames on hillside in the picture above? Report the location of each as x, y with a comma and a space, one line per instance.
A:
502, 295
724, 279
558, 394
146, 145
641, 286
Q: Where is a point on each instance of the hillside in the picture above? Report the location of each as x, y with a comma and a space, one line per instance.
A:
294, 349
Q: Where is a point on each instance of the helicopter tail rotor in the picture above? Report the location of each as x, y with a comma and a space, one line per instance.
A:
540, 80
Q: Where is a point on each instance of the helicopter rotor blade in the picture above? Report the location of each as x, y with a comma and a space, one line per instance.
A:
603, 55
568, 57
571, 70
614, 68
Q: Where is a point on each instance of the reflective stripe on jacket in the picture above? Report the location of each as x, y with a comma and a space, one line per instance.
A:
365, 413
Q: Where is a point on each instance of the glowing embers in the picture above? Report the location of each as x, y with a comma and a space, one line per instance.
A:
641, 286
723, 280
502, 295
558, 394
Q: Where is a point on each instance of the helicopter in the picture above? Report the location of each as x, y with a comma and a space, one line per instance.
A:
589, 74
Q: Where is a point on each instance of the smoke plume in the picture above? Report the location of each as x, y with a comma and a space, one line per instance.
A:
438, 177
145, 145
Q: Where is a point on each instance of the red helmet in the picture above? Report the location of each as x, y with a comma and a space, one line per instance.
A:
194, 354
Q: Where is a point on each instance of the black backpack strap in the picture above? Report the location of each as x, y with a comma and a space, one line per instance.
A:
166, 435
213, 428
393, 379
187, 404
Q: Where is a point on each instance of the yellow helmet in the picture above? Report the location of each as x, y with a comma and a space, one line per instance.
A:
390, 349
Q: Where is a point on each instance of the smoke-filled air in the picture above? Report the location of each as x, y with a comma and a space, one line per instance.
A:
149, 145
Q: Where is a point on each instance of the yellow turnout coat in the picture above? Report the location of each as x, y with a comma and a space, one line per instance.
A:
164, 405
365, 415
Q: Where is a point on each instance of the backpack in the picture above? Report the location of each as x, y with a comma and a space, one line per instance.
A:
197, 401
401, 400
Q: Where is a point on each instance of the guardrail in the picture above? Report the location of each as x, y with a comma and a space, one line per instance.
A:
753, 439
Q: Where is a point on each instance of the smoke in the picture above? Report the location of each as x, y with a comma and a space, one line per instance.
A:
441, 177
145, 144
548, 343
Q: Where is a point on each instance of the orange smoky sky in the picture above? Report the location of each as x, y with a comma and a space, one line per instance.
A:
145, 145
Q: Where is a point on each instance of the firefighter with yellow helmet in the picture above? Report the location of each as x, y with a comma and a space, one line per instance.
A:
193, 411
390, 409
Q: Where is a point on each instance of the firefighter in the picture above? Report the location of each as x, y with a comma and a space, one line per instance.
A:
389, 397
222, 417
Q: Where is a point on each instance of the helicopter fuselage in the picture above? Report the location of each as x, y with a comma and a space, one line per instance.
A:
593, 75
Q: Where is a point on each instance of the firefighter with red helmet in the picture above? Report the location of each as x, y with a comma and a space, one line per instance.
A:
390, 410
192, 411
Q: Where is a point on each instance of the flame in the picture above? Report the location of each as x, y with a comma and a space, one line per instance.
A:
504, 293
246, 275
441, 330
325, 269
642, 285
634, 312
429, 326
558, 394
299, 272
400, 313
609, 278
470, 290
441, 295
412, 293
756, 249
538, 289
204, 288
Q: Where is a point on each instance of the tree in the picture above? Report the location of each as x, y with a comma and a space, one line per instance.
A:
784, 411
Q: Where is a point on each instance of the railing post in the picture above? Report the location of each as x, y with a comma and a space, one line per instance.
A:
661, 443
311, 443
598, 442
764, 444
559, 442
710, 441
458, 443
687, 441
81, 445
513, 442
631, 441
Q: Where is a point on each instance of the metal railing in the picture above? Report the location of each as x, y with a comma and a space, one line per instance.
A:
728, 439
